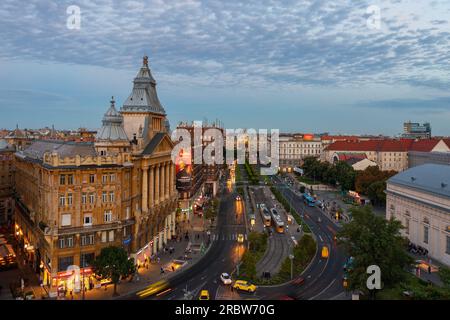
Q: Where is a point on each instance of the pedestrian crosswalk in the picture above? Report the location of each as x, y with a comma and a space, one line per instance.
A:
226, 237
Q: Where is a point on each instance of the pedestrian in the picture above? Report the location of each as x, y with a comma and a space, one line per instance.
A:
158, 259
173, 268
162, 270
429, 269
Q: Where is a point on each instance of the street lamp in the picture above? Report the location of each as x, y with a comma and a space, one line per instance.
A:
291, 257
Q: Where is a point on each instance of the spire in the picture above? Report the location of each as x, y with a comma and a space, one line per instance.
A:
143, 97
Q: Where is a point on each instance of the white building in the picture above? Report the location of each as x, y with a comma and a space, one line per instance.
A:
295, 147
420, 198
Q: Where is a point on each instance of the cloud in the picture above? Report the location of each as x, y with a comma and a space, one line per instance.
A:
251, 43
441, 104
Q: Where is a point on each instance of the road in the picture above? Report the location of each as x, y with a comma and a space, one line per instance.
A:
222, 256
323, 276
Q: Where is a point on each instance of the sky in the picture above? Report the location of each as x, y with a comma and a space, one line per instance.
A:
298, 66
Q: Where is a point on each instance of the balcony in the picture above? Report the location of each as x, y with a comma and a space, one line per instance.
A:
96, 227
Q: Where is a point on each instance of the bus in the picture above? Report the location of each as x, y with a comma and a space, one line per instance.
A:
309, 200
265, 215
277, 222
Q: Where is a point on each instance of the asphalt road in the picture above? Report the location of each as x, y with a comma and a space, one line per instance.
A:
323, 277
221, 257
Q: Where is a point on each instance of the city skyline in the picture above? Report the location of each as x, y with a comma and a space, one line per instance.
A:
218, 61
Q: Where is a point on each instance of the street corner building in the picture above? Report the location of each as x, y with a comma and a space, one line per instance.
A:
74, 198
420, 199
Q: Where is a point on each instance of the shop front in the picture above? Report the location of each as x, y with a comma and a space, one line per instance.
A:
74, 280
144, 254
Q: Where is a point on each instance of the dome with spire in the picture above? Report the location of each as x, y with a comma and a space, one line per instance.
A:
112, 128
144, 97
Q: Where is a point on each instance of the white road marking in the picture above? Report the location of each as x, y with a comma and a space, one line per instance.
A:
320, 238
331, 283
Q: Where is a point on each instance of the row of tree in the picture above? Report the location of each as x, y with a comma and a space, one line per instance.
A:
370, 182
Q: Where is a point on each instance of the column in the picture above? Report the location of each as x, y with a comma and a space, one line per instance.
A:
172, 178
152, 187
162, 182
144, 189
160, 242
167, 185
157, 184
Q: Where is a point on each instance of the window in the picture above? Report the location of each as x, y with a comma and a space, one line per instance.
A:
61, 243
87, 220
70, 179
62, 179
69, 242
127, 215
87, 240
111, 196
84, 198
104, 178
112, 177
104, 236
91, 178
66, 219
447, 249
87, 259
104, 197
62, 200
425, 234
69, 199
64, 263
407, 226
111, 236
91, 198
108, 216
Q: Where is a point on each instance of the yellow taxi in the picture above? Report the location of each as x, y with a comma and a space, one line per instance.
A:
244, 286
204, 295
240, 238
325, 252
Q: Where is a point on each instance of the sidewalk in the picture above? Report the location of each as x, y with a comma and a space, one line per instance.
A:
145, 275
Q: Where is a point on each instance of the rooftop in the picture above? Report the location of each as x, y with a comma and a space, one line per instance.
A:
430, 178
63, 148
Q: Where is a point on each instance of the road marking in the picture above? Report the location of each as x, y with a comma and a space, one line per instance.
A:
331, 283
320, 238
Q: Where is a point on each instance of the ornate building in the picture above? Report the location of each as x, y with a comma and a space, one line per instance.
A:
6, 181
74, 198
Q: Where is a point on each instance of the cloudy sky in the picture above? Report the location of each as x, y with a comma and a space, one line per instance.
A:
308, 66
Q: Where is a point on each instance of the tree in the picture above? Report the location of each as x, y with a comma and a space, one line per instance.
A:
345, 175
373, 240
113, 263
376, 193
444, 274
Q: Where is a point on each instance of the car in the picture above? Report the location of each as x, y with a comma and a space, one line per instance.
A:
299, 281
154, 288
240, 238
225, 278
204, 295
244, 286
238, 198
325, 252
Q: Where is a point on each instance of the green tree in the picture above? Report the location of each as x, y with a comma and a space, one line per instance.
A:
376, 192
113, 263
345, 175
444, 274
373, 240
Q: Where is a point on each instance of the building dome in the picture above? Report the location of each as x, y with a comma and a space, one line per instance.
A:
112, 128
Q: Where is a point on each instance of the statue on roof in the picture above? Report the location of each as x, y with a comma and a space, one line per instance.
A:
145, 61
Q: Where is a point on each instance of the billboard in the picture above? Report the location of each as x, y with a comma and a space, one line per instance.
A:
183, 169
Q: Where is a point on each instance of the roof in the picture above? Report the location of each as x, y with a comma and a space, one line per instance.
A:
157, 138
430, 178
425, 145
63, 148
143, 97
351, 157
386, 145
112, 129
5, 146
